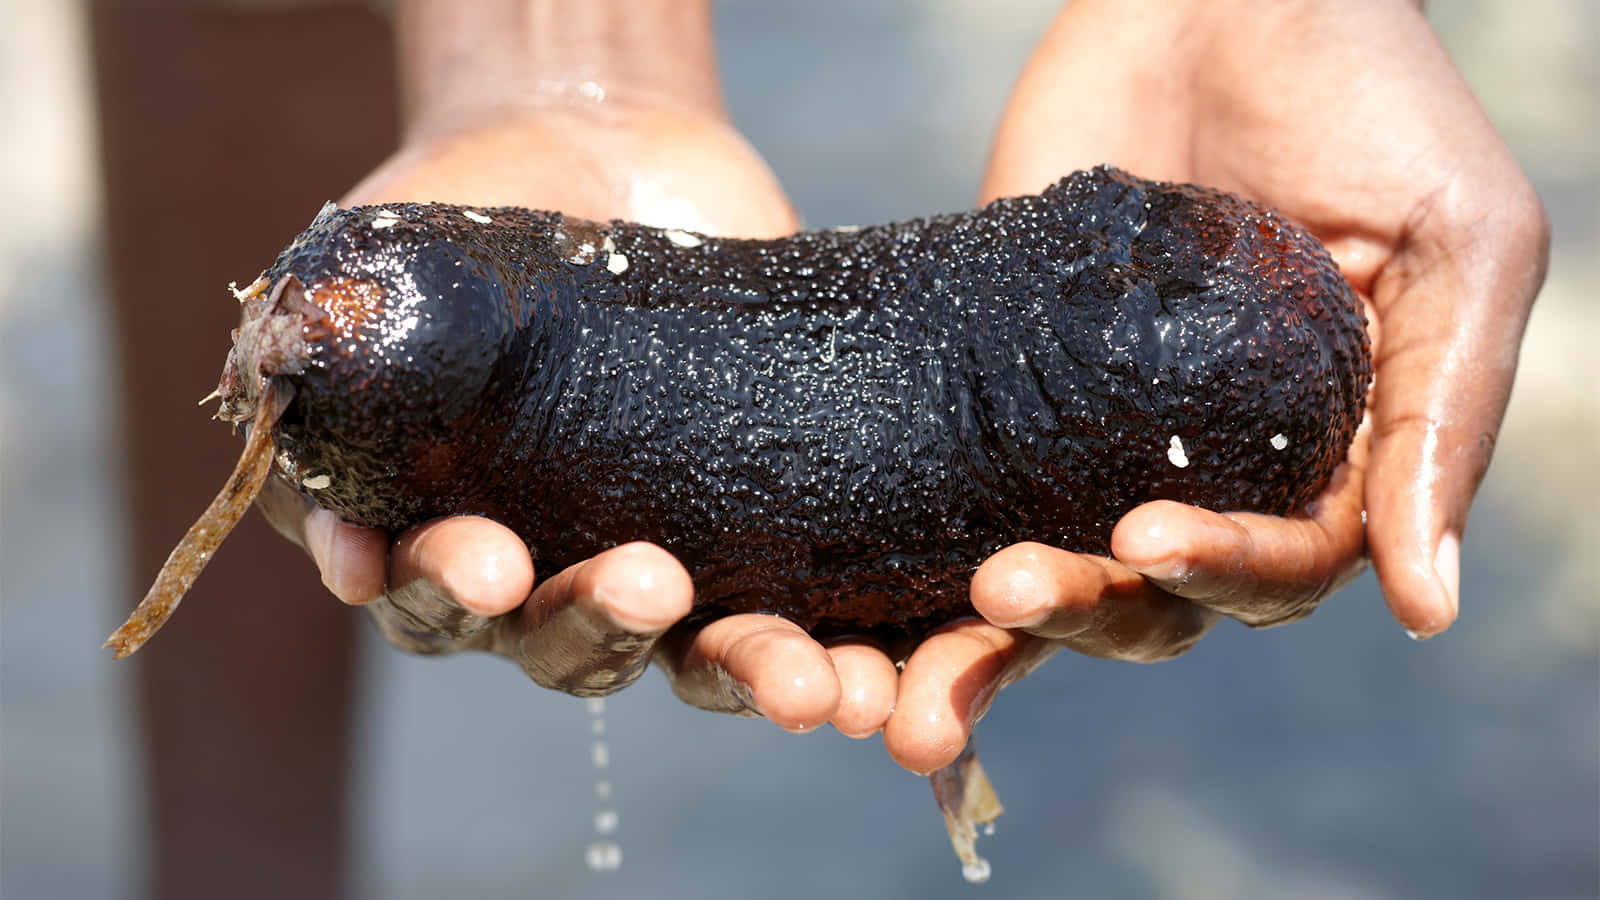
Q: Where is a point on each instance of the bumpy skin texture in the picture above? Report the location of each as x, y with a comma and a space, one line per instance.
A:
836, 426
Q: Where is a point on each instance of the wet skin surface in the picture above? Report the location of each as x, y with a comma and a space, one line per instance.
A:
836, 426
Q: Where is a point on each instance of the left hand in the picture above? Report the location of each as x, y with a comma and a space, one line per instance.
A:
1349, 118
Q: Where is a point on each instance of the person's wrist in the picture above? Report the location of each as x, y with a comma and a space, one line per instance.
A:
1190, 35
461, 65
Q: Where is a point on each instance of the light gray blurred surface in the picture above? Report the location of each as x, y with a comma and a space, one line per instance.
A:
1334, 759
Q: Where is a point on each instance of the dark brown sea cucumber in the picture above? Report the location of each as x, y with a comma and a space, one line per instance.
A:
836, 426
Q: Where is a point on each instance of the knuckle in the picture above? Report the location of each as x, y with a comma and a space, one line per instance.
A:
1531, 221
1281, 614
415, 619
1168, 640
580, 683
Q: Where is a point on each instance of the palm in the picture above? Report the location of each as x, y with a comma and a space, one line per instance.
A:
662, 167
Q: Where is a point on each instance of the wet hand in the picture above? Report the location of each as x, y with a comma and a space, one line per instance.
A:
467, 583
1433, 224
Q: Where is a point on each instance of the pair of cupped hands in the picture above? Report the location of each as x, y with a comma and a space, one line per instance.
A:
1348, 117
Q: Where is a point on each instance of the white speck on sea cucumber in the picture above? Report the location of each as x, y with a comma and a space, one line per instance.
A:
476, 216
317, 482
1279, 441
683, 238
617, 264
384, 218
1175, 453
608, 245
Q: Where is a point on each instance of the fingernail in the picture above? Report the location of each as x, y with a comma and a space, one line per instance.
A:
1447, 567
321, 529
1164, 568
746, 697
1173, 570
316, 536
1161, 563
978, 708
445, 588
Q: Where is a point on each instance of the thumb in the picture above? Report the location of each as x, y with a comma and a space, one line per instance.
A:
1453, 305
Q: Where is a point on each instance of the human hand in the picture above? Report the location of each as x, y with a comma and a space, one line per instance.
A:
1349, 118
645, 140
571, 117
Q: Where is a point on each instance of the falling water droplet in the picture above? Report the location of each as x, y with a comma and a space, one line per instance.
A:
604, 856
975, 872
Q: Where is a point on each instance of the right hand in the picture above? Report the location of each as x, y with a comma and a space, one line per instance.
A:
611, 110
467, 582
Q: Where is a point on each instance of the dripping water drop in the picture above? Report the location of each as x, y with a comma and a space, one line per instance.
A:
977, 871
603, 856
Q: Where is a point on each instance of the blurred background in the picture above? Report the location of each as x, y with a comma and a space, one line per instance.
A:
1336, 759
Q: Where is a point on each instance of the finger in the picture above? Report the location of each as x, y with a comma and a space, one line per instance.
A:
590, 629
1453, 305
868, 680
474, 564
1090, 604
756, 664
350, 558
1052, 124
1262, 570
947, 685
286, 508
447, 581
1418, 506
